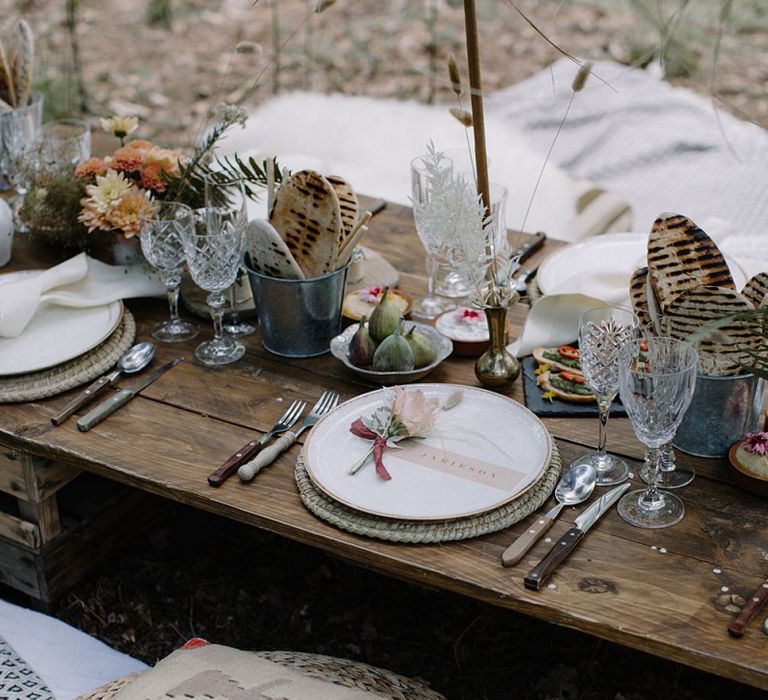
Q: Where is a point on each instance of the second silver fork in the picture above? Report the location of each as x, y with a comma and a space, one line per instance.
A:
327, 402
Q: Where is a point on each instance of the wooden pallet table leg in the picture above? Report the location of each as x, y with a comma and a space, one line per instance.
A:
45, 515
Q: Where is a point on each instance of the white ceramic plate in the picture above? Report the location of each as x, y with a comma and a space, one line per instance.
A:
614, 255
56, 333
483, 453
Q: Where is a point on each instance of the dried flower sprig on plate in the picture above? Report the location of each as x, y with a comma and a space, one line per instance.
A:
409, 415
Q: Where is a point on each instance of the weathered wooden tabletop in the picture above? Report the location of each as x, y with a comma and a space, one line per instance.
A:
662, 592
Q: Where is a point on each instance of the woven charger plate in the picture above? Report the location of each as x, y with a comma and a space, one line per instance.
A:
68, 375
423, 532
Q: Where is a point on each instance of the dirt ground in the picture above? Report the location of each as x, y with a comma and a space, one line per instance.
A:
198, 575
171, 75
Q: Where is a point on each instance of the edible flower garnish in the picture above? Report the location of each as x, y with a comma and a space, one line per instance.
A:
757, 443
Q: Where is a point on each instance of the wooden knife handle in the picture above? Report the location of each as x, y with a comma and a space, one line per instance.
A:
84, 397
536, 577
756, 601
515, 552
245, 453
266, 456
104, 409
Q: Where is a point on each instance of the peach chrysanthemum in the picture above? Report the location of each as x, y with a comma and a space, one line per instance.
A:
127, 212
90, 168
91, 217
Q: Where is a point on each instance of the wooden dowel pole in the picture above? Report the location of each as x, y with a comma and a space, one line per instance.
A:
476, 92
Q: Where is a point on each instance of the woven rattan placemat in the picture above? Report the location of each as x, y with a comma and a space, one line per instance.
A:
422, 532
68, 375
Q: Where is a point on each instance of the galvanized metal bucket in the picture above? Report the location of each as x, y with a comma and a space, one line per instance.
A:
723, 409
298, 317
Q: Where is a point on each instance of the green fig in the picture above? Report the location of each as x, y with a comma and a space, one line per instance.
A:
384, 318
423, 350
362, 346
394, 354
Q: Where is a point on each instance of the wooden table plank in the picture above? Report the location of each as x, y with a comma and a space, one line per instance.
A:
615, 586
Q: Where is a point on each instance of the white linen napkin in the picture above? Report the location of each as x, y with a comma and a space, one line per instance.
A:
81, 282
552, 321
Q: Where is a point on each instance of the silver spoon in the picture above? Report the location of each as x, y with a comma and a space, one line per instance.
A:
133, 360
575, 486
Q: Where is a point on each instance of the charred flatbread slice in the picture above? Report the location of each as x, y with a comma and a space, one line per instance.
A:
682, 257
563, 388
566, 357
720, 351
349, 207
307, 217
756, 290
638, 293
268, 253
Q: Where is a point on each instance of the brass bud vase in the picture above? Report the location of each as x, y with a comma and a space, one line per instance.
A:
497, 368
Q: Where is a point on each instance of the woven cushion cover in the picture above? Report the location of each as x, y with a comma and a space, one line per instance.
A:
228, 674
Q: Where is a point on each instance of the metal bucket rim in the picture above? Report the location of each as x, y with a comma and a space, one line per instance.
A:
253, 272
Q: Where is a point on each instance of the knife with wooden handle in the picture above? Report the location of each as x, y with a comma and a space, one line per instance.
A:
536, 577
120, 398
92, 392
516, 551
752, 607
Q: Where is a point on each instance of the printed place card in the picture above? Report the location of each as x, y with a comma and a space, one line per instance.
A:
455, 464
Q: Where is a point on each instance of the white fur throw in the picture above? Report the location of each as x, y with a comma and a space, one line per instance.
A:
371, 143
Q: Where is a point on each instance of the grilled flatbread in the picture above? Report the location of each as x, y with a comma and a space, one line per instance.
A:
268, 253
638, 293
308, 218
682, 257
756, 290
348, 207
721, 351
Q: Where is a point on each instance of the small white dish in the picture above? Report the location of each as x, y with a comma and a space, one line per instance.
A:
443, 348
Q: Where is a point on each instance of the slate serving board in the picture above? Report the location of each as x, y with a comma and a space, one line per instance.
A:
557, 408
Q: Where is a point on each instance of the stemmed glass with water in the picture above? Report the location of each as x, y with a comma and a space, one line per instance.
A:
657, 377
602, 334
214, 255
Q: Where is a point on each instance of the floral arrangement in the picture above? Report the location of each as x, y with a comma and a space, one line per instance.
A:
410, 414
127, 184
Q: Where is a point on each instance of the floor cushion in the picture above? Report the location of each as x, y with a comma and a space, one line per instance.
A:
200, 670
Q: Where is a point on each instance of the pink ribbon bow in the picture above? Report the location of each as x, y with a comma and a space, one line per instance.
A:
361, 430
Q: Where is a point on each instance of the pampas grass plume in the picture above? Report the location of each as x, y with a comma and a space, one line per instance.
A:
461, 116
581, 77
453, 72
323, 5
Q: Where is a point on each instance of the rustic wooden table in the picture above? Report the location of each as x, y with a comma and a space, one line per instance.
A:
663, 592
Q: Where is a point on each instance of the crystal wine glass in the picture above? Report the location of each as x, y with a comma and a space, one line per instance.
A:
430, 306
214, 256
670, 476
236, 197
163, 247
657, 377
18, 127
602, 333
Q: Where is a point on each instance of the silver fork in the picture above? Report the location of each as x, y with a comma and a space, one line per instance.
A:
327, 402
250, 450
